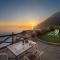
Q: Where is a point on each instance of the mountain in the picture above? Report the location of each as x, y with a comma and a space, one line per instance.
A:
52, 20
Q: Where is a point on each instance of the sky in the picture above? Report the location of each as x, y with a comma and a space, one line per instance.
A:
26, 12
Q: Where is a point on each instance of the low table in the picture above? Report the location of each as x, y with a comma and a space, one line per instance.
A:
19, 48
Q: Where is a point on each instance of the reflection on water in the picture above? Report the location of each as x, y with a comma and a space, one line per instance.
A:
5, 31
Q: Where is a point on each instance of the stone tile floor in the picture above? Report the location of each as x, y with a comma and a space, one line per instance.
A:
51, 52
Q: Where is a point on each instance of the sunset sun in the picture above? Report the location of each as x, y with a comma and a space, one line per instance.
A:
33, 25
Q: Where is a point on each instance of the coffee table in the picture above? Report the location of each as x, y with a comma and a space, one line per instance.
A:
19, 48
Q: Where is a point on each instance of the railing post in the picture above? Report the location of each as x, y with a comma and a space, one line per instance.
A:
12, 37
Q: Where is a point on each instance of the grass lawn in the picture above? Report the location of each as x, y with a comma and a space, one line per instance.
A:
51, 38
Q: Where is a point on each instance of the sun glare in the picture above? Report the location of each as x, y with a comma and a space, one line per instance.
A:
33, 25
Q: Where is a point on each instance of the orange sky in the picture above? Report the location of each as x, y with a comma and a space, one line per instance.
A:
17, 25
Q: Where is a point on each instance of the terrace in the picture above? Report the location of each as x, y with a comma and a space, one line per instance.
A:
47, 52
15, 47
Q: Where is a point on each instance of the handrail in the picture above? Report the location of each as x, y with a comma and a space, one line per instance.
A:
9, 36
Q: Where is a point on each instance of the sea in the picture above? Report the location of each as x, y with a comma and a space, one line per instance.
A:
9, 31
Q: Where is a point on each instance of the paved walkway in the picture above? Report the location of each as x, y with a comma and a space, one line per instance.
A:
51, 52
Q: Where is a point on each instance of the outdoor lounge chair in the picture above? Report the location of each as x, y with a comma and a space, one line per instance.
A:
36, 55
33, 57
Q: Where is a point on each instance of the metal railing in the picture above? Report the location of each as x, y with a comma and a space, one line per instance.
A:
13, 37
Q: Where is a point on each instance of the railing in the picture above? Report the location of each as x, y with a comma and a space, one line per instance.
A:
13, 37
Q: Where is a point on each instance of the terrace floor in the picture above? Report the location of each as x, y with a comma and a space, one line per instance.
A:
51, 52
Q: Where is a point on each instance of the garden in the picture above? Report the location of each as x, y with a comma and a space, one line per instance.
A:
52, 35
